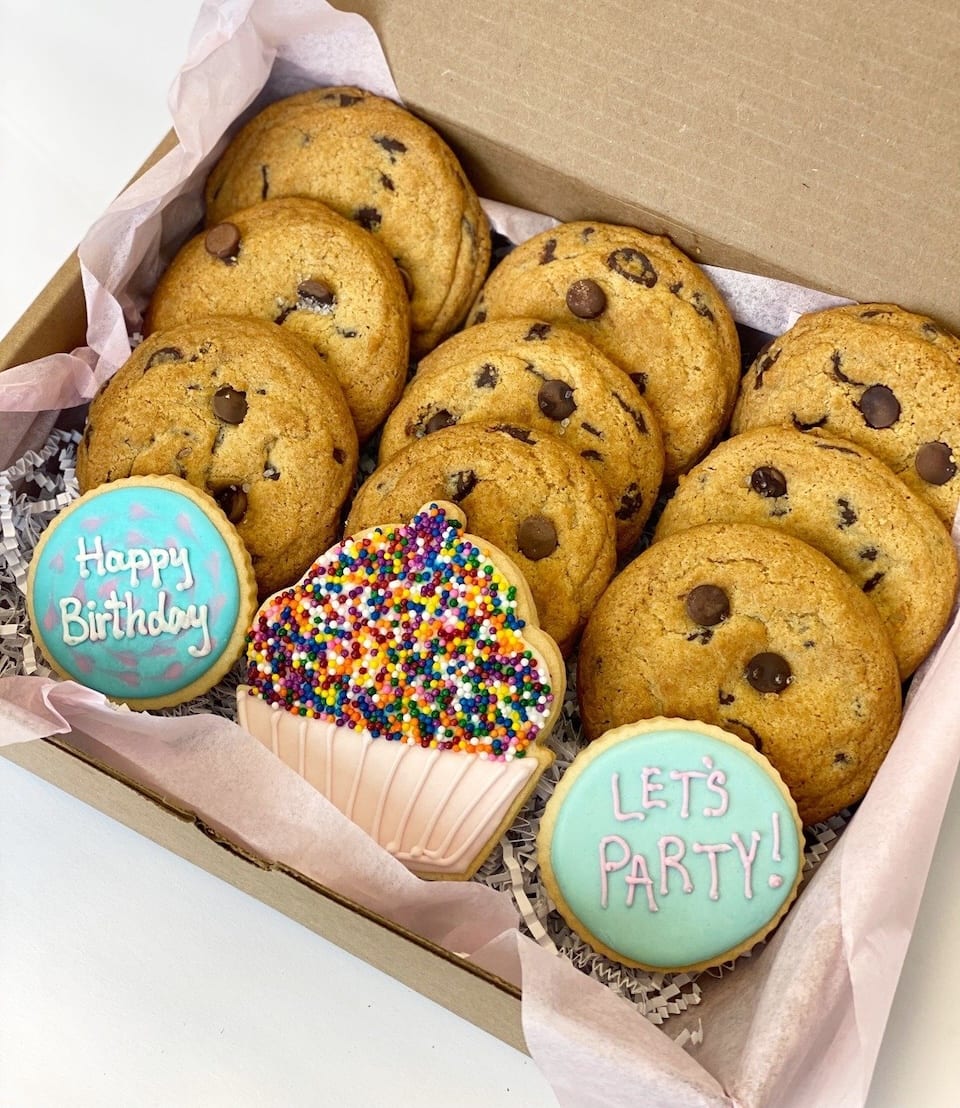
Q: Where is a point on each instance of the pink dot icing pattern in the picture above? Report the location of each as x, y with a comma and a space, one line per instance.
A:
410, 634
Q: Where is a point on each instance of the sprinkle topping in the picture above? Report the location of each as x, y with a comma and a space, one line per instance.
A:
411, 633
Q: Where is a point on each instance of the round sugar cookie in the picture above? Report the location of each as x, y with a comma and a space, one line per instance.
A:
754, 631
528, 494
646, 305
245, 411
882, 377
406, 678
848, 504
377, 164
671, 845
552, 381
301, 265
142, 590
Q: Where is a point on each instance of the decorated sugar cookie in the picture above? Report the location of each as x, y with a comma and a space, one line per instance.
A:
142, 590
671, 845
406, 678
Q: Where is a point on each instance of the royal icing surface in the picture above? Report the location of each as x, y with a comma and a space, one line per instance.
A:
408, 633
671, 846
134, 592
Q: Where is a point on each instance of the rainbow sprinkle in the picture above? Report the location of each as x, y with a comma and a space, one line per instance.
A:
410, 633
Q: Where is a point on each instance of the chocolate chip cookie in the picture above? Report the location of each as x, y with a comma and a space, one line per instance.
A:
528, 494
753, 630
875, 374
552, 381
647, 306
846, 503
375, 163
302, 266
245, 411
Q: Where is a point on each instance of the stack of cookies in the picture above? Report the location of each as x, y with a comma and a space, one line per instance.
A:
800, 570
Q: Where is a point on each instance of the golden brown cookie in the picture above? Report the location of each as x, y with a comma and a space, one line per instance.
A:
552, 381
528, 494
302, 266
376, 163
874, 374
846, 503
754, 631
245, 411
647, 306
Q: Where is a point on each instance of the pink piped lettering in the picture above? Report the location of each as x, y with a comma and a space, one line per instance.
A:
640, 875
685, 776
618, 812
611, 866
746, 858
715, 783
712, 850
673, 861
650, 787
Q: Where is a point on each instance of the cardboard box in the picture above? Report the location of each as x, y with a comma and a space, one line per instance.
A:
751, 151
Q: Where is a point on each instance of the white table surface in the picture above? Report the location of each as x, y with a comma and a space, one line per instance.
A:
130, 977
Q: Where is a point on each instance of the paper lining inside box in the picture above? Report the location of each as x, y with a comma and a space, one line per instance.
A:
755, 1069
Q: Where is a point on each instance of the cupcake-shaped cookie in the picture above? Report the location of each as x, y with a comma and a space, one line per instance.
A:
406, 678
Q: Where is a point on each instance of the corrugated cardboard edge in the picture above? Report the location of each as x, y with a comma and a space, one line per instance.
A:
56, 321
483, 999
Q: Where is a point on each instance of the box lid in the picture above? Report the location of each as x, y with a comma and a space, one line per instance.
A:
816, 142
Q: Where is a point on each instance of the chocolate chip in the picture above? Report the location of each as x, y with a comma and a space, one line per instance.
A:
438, 421
707, 605
801, 426
487, 377
879, 407
481, 316
346, 334
316, 295
591, 455
836, 359
368, 218
264, 182
769, 360
701, 307
591, 430
751, 736
768, 481
725, 697
676, 287
223, 241
537, 331
164, 354
555, 400
930, 330
270, 472
768, 672
347, 100
586, 299
632, 413
871, 583
633, 265
640, 380
391, 145
233, 502
934, 463
630, 503
461, 484
841, 758
536, 538
387, 182
230, 404
339, 455
847, 515
548, 253
521, 434
868, 553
